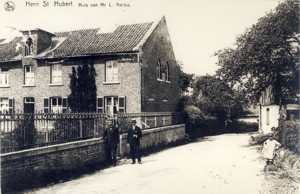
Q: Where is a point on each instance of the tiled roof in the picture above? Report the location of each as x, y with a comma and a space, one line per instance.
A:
124, 38
11, 51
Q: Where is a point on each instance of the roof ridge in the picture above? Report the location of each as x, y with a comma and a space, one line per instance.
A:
99, 28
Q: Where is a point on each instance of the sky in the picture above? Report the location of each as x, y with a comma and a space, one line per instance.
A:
198, 28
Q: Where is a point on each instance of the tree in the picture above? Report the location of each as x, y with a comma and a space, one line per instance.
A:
264, 56
185, 79
83, 88
214, 97
185, 82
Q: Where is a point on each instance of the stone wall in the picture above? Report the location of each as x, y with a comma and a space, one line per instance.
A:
36, 166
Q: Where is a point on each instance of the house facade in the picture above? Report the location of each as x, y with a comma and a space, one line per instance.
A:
270, 112
135, 65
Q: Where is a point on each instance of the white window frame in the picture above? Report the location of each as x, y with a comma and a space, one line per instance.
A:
112, 71
56, 74
28, 75
4, 77
115, 102
61, 105
6, 105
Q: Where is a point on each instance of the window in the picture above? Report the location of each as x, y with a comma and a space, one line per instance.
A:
167, 72
158, 69
28, 105
162, 71
28, 47
4, 77
111, 104
6, 105
268, 117
55, 105
29, 75
111, 71
56, 74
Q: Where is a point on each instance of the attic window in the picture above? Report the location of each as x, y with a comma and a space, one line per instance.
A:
28, 47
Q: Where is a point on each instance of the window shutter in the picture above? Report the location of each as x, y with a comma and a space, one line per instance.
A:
11, 103
46, 105
100, 104
115, 71
64, 105
122, 104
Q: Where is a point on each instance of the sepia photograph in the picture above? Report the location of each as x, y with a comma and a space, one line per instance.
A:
140, 96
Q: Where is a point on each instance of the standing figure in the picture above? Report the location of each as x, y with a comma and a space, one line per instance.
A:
269, 147
112, 141
133, 140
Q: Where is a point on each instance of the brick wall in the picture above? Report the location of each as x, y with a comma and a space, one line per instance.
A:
159, 95
156, 138
128, 86
35, 166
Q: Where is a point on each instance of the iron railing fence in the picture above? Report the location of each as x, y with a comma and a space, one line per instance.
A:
21, 131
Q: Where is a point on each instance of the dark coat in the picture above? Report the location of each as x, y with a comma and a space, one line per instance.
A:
134, 136
111, 136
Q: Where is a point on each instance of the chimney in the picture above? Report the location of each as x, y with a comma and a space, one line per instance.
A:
36, 41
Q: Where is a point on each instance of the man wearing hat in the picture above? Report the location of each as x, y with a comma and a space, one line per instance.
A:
133, 140
112, 141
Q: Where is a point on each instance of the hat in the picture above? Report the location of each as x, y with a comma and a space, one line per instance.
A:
133, 120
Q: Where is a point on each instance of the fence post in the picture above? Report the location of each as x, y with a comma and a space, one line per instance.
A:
80, 128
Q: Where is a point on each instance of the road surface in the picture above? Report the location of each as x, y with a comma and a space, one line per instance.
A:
217, 164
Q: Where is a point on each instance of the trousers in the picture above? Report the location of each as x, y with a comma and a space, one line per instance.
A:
135, 152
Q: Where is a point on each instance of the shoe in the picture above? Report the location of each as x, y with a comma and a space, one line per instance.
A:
132, 162
140, 163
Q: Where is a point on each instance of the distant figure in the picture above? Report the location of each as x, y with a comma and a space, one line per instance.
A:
112, 141
269, 147
133, 140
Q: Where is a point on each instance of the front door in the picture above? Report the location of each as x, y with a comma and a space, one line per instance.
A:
28, 105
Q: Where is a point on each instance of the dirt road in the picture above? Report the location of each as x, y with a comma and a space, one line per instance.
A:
218, 164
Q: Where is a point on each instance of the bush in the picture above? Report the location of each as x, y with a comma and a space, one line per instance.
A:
288, 135
25, 133
241, 127
193, 118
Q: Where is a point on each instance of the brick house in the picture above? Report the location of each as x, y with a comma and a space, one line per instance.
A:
135, 65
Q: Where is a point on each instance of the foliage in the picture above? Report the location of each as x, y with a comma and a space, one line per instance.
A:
288, 135
241, 127
83, 88
264, 56
193, 118
183, 102
25, 133
215, 98
185, 79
